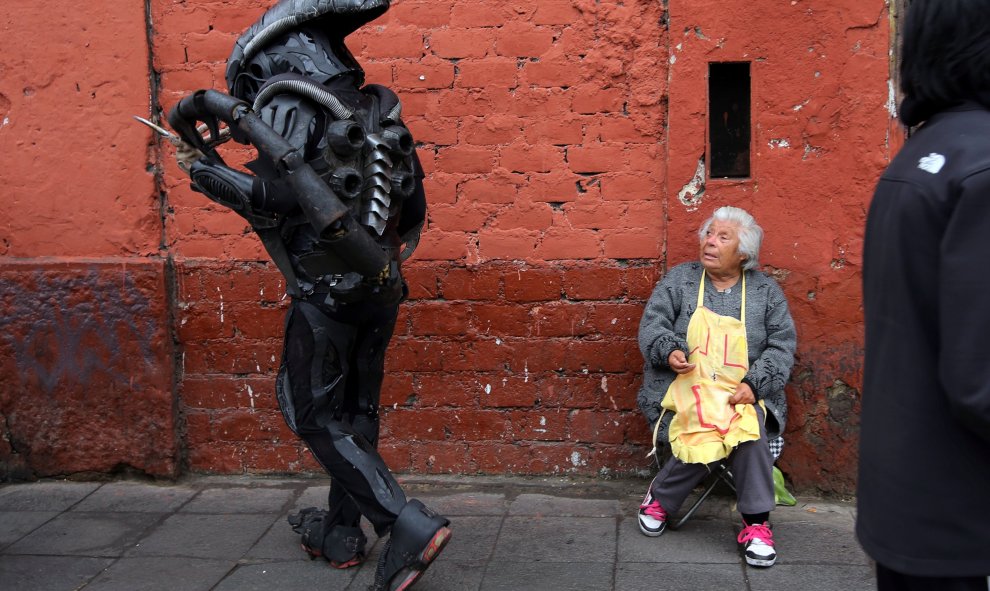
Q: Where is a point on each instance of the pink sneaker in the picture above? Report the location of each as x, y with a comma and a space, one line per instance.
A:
757, 543
652, 517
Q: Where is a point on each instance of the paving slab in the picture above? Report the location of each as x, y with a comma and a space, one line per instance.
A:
161, 573
678, 577
472, 540
285, 576
44, 496
556, 539
817, 543
554, 506
136, 497
836, 577
311, 496
465, 503
514, 534
204, 536
240, 500
86, 534
701, 540
14, 525
544, 576
49, 573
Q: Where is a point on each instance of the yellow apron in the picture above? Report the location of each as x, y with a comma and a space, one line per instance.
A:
706, 427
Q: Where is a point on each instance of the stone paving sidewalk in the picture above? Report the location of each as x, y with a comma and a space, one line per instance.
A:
230, 534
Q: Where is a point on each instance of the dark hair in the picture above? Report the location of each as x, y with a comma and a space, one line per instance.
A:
945, 56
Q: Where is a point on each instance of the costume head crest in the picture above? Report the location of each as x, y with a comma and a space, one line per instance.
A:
304, 37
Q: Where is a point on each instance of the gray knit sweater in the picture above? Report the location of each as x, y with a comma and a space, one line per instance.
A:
770, 337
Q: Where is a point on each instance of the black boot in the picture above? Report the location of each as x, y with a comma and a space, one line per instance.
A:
417, 538
340, 545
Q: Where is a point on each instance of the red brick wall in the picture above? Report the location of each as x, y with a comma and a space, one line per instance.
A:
557, 137
541, 131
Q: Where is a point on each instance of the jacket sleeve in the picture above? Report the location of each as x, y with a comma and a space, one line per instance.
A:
657, 339
772, 368
964, 321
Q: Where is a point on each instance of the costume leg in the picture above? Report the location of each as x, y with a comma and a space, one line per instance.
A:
752, 471
312, 393
363, 385
315, 373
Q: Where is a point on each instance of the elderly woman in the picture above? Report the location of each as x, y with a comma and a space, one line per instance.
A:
718, 341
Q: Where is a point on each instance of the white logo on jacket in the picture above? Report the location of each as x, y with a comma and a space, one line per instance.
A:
932, 163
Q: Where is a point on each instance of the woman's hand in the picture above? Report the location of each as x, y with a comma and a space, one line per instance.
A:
744, 395
679, 363
186, 155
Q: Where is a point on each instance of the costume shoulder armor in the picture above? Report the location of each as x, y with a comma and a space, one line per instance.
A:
390, 107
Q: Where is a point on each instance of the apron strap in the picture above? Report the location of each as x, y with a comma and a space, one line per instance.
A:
742, 309
701, 292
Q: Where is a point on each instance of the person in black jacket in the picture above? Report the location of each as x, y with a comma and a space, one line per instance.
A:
924, 470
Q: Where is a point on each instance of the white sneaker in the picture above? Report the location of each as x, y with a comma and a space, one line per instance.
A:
757, 543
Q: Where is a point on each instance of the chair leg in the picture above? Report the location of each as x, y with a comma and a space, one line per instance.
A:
721, 474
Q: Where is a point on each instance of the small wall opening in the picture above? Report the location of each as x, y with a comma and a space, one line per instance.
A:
729, 135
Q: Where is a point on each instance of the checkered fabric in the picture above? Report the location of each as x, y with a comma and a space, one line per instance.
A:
776, 446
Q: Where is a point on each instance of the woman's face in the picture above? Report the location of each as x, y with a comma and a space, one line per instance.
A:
720, 249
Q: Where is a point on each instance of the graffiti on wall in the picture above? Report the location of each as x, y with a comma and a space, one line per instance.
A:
89, 328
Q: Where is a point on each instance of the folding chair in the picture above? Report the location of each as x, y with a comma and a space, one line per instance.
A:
721, 474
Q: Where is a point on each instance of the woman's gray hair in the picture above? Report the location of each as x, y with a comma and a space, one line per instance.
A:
750, 233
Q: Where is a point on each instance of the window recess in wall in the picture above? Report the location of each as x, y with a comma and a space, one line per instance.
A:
729, 120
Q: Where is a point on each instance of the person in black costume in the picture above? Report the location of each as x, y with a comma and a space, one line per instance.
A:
924, 459
337, 199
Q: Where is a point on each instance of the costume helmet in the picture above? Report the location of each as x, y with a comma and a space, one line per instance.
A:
303, 37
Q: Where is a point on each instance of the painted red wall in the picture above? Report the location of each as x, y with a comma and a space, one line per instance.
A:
821, 129
87, 375
557, 138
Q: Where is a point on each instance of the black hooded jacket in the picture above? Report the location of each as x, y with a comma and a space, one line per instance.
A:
924, 472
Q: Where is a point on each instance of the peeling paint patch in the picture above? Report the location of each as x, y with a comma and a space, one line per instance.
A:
779, 274
839, 262
810, 150
891, 99
692, 192
779, 143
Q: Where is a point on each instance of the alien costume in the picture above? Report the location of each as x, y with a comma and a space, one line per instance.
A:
337, 200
